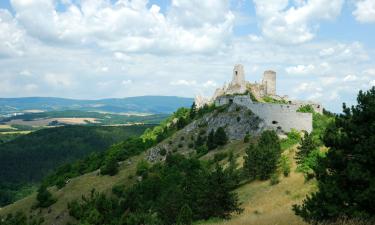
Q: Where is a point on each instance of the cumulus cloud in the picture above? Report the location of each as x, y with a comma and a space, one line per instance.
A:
300, 69
129, 26
294, 24
365, 11
12, 40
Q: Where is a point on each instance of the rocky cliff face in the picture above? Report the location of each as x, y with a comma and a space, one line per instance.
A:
238, 121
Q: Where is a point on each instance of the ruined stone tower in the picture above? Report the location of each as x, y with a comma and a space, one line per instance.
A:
269, 82
238, 75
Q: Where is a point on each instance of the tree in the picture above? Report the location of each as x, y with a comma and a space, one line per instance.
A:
110, 167
185, 217
211, 144
261, 159
307, 145
193, 111
346, 176
44, 197
220, 137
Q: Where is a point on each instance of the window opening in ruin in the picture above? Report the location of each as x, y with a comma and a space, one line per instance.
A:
236, 72
274, 122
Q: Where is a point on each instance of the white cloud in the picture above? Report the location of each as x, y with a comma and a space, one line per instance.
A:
365, 11
297, 23
300, 69
11, 36
58, 80
327, 51
126, 82
130, 26
183, 83
210, 83
350, 78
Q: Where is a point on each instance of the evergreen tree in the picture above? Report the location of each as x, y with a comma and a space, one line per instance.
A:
200, 141
346, 176
185, 217
193, 111
181, 123
44, 197
307, 145
261, 159
220, 137
211, 144
110, 167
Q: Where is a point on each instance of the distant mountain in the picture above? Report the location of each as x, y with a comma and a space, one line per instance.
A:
142, 104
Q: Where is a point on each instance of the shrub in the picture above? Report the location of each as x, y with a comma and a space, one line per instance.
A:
274, 179
163, 152
285, 165
202, 150
142, 168
246, 138
306, 109
220, 156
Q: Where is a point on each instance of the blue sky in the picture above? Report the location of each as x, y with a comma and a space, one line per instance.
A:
322, 50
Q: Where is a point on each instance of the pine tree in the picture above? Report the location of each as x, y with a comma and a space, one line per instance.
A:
110, 167
44, 197
346, 177
220, 137
193, 111
261, 159
307, 145
211, 144
185, 217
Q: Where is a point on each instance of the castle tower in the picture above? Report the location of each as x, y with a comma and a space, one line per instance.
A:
238, 75
269, 82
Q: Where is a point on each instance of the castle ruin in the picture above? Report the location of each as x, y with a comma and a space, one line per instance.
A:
280, 116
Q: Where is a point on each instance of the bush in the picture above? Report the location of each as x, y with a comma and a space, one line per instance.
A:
202, 150
163, 152
220, 156
285, 165
274, 179
306, 109
142, 168
246, 138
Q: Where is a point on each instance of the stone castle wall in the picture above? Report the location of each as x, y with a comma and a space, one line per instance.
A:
276, 116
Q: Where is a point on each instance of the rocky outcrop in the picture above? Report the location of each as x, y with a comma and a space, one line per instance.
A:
237, 121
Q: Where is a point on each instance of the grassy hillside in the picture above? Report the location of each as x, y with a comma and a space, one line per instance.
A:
263, 203
27, 159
